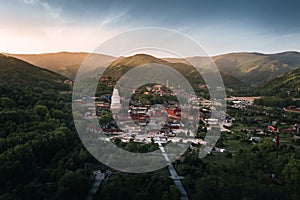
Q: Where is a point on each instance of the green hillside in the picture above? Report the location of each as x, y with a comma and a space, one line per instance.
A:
29, 81
248, 68
17, 72
38, 141
123, 64
281, 91
255, 68
41, 156
65, 63
283, 86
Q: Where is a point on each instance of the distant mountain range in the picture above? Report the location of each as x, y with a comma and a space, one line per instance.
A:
27, 84
15, 72
248, 68
65, 63
124, 64
285, 85
255, 68
270, 72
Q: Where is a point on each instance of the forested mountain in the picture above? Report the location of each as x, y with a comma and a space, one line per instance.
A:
250, 68
254, 68
40, 153
237, 69
41, 156
65, 63
280, 91
124, 64
285, 85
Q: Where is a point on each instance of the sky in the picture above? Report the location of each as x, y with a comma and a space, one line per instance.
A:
223, 26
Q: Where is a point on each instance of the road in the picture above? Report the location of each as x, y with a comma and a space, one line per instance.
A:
98, 180
173, 173
4, 196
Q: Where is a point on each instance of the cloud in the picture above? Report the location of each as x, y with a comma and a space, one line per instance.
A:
230, 26
113, 18
30, 2
52, 11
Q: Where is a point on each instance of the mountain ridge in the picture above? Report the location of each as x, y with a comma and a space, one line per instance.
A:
284, 86
18, 73
65, 63
122, 65
251, 68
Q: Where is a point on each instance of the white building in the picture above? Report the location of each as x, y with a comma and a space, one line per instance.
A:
115, 102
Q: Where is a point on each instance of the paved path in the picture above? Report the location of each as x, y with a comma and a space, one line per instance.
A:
98, 180
4, 196
173, 173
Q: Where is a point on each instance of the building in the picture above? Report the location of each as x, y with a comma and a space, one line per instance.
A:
273, 129
292, 109
115, 106
101, 106
297, 129
174, 113
244, 100
205, 103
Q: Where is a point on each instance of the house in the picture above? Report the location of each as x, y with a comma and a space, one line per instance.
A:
68, 82
297, 128
212, 122
78, 101
156, 89
292, 109
101, 106
174, 126
255, 139
273, 129
174, 113
245, 100
205, 103
104, 78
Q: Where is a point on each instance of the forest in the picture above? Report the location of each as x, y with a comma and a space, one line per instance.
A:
41, 155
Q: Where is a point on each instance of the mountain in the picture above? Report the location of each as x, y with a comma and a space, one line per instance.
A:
240, 69
37, 135
123, 64
26, 84
64, 63
255, 68
285, 85
250, 68
17, 72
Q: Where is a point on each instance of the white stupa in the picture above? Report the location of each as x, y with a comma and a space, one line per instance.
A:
115, 105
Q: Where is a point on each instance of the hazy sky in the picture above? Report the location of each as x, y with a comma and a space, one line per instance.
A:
37, 26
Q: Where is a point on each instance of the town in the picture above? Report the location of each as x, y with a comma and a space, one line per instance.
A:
141, 112
244, 123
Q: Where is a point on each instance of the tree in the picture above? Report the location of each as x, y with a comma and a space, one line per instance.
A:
265, 146
291, 173
72, 186
6, 102
105, 118
173, 193
132, 146
41, 111
209, 187
222, 139
117, 141
57, 114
